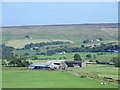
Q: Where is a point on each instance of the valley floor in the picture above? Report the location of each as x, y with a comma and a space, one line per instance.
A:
20, 78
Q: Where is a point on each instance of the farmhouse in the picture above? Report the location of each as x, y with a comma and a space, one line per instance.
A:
61, 64
98, 39
27, 37
92, 40
75, 63
61, 52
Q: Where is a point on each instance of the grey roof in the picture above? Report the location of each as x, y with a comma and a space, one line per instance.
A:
73, 62
39, 63
46, 63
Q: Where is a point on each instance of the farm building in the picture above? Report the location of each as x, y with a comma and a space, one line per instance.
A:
48, 65
57, 65
43, 66
61, 64
27, 37
106, 63
39, 67
61, 52
75, 63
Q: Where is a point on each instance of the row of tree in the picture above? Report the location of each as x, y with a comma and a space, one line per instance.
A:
116, 61
16, 62
32, 45
7, 51
101, 48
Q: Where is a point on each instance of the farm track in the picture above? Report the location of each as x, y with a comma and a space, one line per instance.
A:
93, 76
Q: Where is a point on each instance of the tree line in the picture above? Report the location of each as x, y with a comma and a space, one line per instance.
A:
6, 51
15, 61
101, 48
32, 45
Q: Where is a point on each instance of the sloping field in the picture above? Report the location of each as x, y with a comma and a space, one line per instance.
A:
73, 32
21, 43
48, 79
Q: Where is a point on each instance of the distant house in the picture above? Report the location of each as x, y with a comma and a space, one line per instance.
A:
27, 37
98, 39
75, 63
91, 40
31, 48
61, 52
106, 63
116, 51
35, 48
91, 46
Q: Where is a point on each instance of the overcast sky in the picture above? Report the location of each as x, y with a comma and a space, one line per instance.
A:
47, 13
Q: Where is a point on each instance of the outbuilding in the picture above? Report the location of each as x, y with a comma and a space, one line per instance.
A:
75, 63
39, 65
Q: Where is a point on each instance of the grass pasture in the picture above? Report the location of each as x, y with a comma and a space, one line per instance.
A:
47, 79
106, 57
19, 77
68, 56
22, 52
100, 70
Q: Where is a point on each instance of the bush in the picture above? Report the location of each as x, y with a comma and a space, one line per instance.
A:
91, 61
77, 57
89, 56
116, 61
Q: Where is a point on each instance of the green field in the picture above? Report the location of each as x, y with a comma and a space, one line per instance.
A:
107, 57
47, 79
22, 52
100, 70
70, 56
19, 77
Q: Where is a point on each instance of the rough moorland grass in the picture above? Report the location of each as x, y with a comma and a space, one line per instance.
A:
75, 33
47, 79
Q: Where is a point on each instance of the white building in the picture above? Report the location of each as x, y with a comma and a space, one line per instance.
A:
61, 52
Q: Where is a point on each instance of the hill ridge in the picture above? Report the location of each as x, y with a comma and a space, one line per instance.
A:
60, 25
73, 32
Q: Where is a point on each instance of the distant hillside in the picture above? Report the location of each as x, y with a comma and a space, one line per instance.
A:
73, 32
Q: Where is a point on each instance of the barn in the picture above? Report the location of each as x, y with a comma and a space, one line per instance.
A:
39, 67
57, 65
27, 37
75, 63
47, 65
